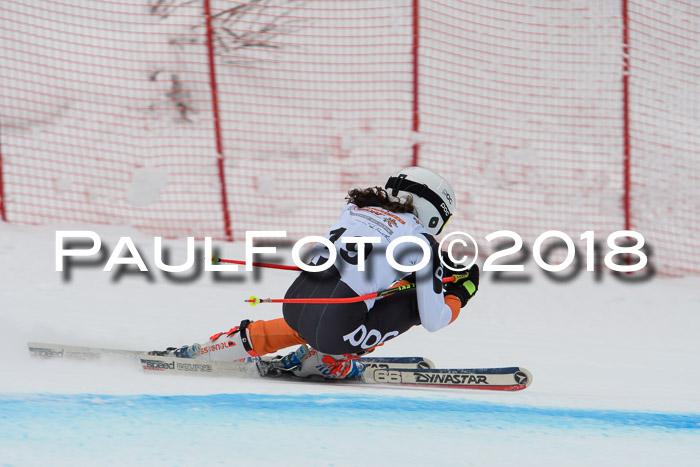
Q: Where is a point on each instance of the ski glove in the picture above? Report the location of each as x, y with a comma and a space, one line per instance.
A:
449, 268
465, 284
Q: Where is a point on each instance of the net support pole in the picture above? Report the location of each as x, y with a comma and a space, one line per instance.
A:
414, 50
626, 115
217, 120
3, 215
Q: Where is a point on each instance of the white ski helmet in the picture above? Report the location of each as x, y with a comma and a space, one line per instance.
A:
433, 196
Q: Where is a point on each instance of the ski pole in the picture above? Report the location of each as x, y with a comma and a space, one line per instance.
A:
383, 293
253, 300
215, 260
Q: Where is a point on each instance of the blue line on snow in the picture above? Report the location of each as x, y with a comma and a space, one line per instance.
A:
48, 409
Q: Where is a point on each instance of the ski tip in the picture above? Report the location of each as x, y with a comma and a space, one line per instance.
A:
523, 377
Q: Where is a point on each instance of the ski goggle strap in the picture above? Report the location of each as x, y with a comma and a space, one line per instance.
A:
401, 183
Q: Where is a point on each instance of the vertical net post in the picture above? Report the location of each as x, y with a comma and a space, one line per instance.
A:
625, 114
416, 95
2, 186
217, 120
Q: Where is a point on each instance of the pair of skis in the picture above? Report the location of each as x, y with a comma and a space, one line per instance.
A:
403, 371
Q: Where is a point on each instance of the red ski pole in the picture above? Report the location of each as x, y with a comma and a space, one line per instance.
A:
383, 293
215, 260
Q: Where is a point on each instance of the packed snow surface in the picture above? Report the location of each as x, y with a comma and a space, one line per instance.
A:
614, 364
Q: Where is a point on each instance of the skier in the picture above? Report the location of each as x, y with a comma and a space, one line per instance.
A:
416, 202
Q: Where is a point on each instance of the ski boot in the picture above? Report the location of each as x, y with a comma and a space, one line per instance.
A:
306, 361
230, 346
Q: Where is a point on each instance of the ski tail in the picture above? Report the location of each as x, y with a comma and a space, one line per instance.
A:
47, 351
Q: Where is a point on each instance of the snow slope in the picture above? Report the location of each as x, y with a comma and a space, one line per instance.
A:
253, 429
614, 370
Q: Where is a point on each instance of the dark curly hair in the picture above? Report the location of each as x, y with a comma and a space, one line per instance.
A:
378, 197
